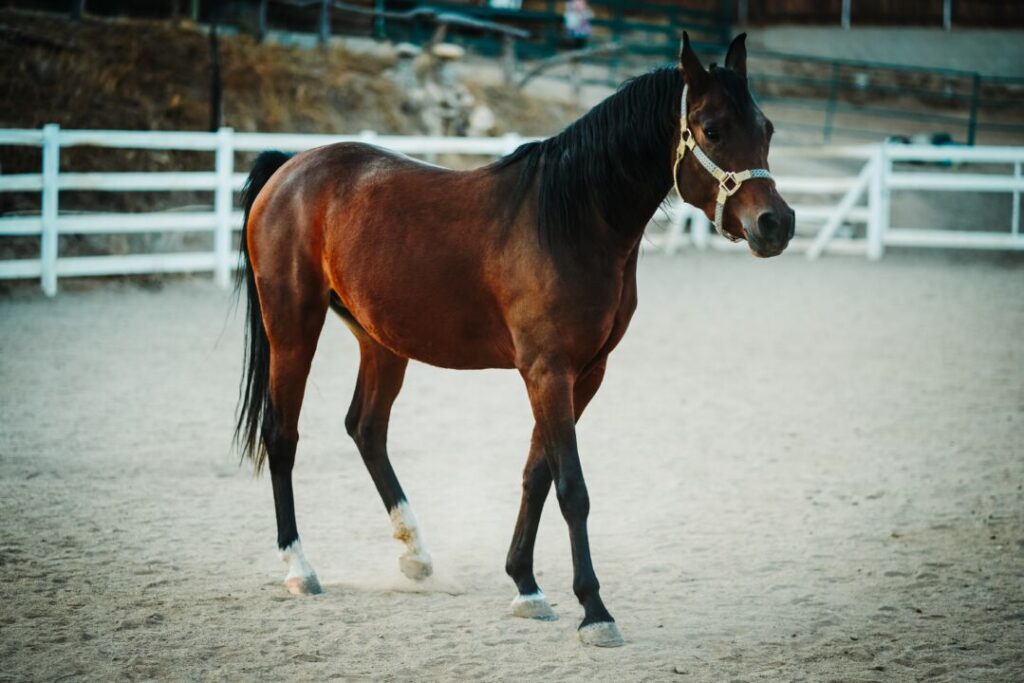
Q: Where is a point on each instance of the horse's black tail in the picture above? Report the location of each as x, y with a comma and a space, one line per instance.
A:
255, 413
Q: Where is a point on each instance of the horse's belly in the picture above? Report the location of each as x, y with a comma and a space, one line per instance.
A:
429, 321
447, 342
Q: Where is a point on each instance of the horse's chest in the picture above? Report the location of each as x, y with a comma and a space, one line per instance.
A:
583, 323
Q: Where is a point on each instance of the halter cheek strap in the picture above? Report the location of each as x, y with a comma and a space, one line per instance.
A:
729, 182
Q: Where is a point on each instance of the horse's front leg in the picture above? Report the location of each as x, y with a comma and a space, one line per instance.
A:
551, 390
531, 602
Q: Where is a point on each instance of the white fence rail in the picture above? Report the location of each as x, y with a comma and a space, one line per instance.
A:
857, 199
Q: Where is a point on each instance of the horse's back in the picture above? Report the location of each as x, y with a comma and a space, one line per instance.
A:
408, 248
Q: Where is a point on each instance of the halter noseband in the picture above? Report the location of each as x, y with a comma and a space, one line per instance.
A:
728, 182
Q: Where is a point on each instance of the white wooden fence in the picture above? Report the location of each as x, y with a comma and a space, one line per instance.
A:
863, 198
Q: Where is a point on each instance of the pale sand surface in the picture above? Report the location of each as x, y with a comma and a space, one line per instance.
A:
797, 472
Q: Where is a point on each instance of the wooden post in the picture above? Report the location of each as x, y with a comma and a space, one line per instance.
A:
48, 241
222, 203
846, 14
77, 9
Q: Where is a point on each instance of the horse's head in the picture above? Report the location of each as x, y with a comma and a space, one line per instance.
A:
722, 159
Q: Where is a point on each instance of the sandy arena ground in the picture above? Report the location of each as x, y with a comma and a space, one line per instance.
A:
797, 472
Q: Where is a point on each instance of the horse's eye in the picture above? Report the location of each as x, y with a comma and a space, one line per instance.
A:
711, 133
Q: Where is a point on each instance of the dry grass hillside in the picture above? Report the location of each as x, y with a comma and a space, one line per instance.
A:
155, 75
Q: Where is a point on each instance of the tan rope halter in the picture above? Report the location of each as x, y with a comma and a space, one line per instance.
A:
729, 182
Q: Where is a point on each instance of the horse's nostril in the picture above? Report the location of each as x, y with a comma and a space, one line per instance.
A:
776, 228
768, 224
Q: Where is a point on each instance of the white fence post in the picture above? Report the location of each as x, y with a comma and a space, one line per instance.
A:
512, 142
846, 204
878, 204
674, 233
700, 229
1015, 220
48, 239
223, 200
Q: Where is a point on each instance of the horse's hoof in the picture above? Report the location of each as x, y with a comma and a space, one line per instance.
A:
416, 567
601, 634
533, 606
303, 585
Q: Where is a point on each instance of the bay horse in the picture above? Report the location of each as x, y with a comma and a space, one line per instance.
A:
528, 263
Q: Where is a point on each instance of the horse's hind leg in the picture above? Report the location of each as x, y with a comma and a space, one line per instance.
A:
293, 328
380, 379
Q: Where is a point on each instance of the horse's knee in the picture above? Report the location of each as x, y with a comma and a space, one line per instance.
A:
585, 586
536, 481
573, 498
366, 433
517, 564
352, 423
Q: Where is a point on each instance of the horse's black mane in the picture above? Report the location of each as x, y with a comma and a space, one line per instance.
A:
613, 159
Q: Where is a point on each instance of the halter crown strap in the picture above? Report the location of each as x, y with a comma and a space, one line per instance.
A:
729, 182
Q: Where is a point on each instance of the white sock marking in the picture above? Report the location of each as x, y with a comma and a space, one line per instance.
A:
536, 595
403, 521
298, 565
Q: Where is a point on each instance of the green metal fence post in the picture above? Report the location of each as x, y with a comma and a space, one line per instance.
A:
379, 28
553, 29
972, 122
615, 67
324, 23
830, 106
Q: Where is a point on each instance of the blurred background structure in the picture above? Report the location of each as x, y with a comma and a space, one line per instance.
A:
840, 70
832, 75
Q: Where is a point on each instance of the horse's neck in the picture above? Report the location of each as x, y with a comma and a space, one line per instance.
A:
640, 187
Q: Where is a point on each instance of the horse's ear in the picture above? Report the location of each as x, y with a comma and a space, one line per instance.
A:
693, 71
736, 57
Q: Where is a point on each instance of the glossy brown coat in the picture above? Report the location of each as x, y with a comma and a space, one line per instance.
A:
528, 263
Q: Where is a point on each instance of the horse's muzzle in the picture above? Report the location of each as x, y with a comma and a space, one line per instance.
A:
775, 228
